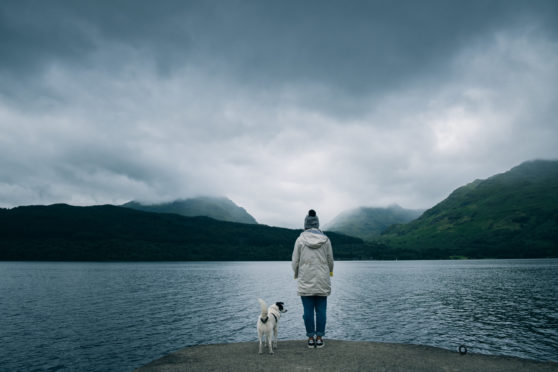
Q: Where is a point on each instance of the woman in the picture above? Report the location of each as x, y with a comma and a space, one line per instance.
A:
313, 265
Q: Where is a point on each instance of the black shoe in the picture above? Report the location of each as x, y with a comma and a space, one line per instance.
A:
319, 343
311, 343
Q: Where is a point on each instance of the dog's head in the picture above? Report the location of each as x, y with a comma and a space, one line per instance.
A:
281, 307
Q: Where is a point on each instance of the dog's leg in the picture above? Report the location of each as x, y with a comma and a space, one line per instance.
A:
275, 334
270, 341
260, 340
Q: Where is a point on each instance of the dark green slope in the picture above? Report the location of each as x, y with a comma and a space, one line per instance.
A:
222, 209
105, 233
368, 223
514, 214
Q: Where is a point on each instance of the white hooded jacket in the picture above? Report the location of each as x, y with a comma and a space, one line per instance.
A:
312, 263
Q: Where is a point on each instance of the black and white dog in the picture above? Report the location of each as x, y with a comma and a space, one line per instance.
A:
268, 322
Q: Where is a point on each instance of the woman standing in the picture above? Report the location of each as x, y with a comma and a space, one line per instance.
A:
313, 265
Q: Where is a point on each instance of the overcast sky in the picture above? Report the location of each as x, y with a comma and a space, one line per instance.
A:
281, 106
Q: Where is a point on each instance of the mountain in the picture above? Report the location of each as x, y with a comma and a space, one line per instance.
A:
221, 209
509, 215
368, 223
62, 232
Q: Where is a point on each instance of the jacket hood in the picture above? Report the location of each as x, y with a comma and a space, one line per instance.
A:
313, 238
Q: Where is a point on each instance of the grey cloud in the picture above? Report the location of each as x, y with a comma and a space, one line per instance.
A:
281, 106
356, 47
37, 33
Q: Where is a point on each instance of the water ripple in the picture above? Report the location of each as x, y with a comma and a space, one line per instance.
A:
113, 317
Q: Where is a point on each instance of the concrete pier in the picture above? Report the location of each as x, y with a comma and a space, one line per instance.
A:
337, 356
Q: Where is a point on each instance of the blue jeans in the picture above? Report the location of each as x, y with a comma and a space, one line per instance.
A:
313, 304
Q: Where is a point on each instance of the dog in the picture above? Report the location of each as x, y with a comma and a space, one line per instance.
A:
268, 321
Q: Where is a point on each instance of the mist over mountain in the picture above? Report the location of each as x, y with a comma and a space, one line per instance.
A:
219, 208
368, 223
509, 215
513, 214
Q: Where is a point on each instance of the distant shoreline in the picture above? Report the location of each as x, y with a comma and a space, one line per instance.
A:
337, 260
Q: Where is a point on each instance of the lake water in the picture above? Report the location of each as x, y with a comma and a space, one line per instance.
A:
119, 316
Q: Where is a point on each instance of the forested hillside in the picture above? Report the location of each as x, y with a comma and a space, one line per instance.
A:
106, 233
513, 214
222, 209
368, 223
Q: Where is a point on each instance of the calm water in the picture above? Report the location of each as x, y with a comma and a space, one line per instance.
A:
119, 316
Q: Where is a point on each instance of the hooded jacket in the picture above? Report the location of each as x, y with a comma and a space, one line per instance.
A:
312, 263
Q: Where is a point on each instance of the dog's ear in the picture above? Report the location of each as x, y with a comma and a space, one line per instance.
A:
279, 305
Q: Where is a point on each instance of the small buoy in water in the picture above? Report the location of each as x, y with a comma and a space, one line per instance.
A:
462, 349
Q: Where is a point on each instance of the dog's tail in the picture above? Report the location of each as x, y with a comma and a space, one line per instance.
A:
263, 306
